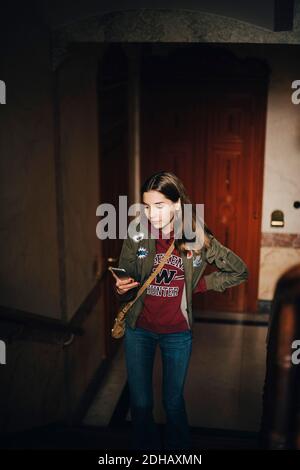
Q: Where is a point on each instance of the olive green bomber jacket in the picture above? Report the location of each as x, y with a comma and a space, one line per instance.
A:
137, 257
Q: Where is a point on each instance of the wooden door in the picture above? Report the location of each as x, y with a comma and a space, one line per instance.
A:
228, 164
210, 132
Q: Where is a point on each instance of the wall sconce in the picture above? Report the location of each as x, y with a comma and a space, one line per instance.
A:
277, 219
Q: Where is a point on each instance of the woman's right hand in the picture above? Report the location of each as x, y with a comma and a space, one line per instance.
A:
124, 285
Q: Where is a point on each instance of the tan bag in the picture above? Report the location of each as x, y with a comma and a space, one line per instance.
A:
118, 329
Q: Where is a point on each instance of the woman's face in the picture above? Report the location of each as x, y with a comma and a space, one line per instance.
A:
158, 209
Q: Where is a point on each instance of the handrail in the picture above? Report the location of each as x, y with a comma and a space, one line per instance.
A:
21, 324
24, 318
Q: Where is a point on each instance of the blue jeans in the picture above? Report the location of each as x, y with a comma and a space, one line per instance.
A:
140, 347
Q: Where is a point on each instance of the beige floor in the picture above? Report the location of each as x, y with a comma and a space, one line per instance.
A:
224, 382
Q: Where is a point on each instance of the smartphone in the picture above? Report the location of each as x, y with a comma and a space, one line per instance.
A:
120, 272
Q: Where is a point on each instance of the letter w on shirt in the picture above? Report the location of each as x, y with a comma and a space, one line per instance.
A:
166, 276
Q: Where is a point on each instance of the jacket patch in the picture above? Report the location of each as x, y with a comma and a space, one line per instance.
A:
138, 237
142, 252
197, 261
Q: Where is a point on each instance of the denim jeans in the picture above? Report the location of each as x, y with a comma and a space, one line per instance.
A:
140, 347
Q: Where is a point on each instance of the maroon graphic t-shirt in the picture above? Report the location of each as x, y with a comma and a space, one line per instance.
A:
162, 311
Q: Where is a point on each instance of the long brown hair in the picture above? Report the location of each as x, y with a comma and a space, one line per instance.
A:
168, 184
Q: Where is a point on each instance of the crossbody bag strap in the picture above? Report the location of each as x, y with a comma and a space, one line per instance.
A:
150, 278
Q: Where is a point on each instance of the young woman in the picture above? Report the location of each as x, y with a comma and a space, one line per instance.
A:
163, 313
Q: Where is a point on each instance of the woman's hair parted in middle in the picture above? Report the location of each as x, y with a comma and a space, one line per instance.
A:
168, 184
